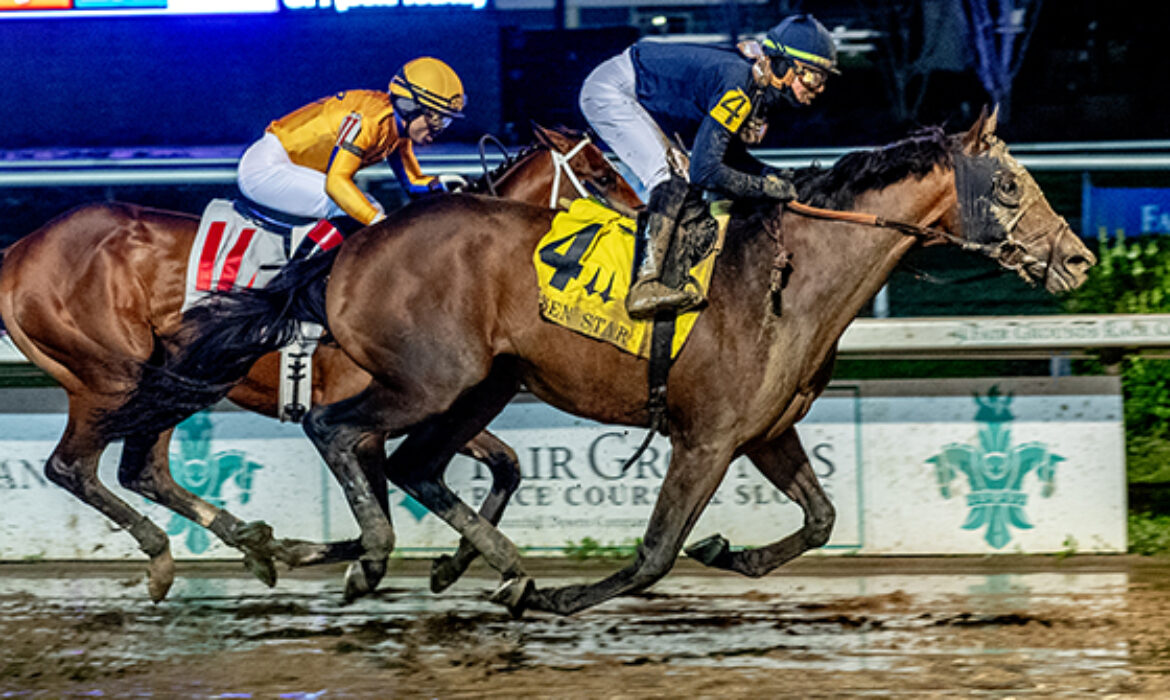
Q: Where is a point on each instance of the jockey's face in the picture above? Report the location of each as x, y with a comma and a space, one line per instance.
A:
423, 129
809, 83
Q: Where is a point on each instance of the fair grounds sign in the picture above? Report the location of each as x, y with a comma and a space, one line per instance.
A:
913, 467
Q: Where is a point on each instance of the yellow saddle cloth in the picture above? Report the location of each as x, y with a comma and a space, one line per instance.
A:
584, 263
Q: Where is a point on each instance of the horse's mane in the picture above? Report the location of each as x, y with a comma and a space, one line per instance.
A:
480, 184
862, 171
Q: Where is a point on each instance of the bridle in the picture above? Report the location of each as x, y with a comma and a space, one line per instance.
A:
561, 165
1009, 251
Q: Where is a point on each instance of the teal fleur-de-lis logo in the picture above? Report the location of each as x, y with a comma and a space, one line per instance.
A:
417, 510
995, 471
205, 474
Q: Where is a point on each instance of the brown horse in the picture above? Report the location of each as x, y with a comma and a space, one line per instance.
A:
93, 327
447, 358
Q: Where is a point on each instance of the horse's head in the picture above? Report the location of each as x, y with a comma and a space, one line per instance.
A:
582, 169
1001, 210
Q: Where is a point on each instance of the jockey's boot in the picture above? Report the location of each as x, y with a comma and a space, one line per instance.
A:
649, 294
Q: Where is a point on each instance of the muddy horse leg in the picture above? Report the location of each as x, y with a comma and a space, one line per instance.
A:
74, 465
145, 469
343, 433
505, 468
692, 479
417, 466
785, 463
371, 456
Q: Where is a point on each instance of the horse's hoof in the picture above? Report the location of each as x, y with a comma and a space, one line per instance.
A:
513, 594
362, 577
261, 567
356, 585
160, 575
712, 551
443, 573
256, 534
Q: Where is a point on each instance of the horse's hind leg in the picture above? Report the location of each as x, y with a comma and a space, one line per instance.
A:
417, 467
692, 479
145, 469
505, 468
73, 466
342, 432
370, 452
785, 463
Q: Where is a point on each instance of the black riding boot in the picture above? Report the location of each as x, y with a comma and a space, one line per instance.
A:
650, 294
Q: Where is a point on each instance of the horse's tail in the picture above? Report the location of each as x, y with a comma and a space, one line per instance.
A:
218, 342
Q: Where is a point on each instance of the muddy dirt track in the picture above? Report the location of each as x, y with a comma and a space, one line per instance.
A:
822, 627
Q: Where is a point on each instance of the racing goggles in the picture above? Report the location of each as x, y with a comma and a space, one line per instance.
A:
812, 78
436, 120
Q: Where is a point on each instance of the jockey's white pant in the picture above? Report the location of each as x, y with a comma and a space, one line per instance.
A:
609, 101
267, 176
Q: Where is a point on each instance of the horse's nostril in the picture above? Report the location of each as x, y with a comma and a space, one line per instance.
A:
1075, 261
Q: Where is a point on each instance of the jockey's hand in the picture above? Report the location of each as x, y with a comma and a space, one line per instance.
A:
779, 188
452, 182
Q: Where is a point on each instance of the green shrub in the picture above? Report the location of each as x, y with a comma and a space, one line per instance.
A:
1133, 277
1149, 534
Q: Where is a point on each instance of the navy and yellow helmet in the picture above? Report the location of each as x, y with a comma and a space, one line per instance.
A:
801, 38
427, 84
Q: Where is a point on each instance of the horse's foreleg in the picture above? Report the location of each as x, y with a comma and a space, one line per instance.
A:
692, 479
145, 469
73, 466
785, 463
501, 460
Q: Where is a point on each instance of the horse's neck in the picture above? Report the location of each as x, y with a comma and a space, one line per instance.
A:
842, 266
529, 180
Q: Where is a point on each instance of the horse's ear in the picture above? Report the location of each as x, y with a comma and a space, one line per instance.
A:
542, 135
981, 134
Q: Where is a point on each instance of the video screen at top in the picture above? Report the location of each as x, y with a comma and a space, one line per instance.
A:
65, 9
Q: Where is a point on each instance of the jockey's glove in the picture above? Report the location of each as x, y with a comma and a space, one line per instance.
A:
779, 188
452, 182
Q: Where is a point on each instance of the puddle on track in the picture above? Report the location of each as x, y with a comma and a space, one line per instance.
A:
1094, 629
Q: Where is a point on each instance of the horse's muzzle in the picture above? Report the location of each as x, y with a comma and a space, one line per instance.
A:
1069, 261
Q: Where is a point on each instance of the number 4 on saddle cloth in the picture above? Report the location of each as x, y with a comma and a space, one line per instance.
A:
584, 265
240, 245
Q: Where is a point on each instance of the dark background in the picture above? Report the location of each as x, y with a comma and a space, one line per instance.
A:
1094, 70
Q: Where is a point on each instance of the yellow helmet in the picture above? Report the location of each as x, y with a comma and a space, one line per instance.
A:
427, 84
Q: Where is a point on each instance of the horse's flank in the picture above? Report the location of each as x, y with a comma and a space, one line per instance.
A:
75, 278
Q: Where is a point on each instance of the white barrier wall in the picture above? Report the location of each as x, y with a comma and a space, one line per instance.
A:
913, 467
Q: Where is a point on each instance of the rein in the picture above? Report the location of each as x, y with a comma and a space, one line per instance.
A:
1009, 252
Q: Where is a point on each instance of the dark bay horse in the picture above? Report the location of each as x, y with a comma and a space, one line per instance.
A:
448, 357
97, 292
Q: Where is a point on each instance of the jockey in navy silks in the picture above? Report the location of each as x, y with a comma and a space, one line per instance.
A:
725, 97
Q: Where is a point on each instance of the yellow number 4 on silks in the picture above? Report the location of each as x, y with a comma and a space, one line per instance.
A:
732, 109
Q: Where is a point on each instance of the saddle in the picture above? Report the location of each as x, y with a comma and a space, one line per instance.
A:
243, 245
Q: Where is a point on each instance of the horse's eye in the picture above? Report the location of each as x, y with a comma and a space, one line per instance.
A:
605, 180
1006, 189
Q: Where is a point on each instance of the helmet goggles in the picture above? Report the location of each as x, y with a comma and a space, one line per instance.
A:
811, 77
